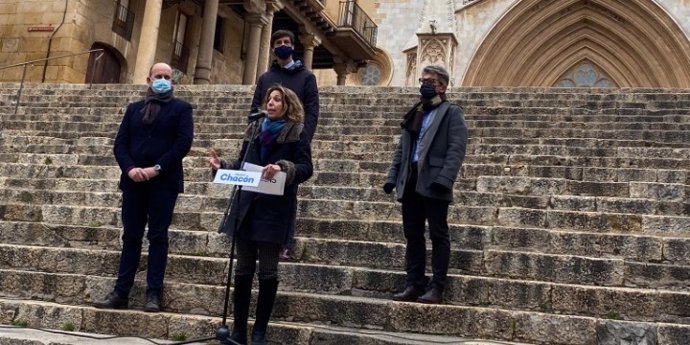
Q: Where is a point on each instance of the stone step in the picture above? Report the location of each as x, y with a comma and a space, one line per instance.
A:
590, 221
338, 101
76, 130
51, 118
289, 333
348, 169
345, 118
84, 287
567, 269
640, 248
477, 146
643, 198
495, 324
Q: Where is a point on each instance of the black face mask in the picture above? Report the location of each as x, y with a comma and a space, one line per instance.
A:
428, 91
283, 52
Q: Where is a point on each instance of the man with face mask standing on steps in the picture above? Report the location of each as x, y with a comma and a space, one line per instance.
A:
155, 134
292, 74
425, 164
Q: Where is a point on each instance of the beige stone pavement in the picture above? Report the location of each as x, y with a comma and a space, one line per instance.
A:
10, 335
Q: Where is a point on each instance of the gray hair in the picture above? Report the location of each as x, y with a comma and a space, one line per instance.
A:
440, 71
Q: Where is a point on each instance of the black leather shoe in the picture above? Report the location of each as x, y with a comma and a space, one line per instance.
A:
433, 296
259, 338
153, 304
409, 295
237, 337
112, 301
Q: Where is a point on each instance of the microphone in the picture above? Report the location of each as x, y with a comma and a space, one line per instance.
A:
257, 115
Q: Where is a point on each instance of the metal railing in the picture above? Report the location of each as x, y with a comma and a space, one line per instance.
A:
180, 57
27, 63
123, 21
351, 15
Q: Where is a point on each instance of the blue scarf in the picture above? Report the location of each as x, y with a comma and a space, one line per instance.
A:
270, 130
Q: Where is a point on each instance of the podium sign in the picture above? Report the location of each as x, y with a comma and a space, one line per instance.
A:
238, 177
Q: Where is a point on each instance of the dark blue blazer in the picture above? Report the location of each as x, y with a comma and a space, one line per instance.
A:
165, 142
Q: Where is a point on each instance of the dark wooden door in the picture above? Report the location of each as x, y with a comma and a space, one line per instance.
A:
105, 70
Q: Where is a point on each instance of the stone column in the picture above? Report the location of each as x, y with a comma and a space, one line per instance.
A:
256, 22
266, 44
342, 68
146, 51
309, 41
204, 61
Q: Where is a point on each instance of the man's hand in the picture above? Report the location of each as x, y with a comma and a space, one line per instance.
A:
388, 187
150, 173
439, 188
137, 175
213, 160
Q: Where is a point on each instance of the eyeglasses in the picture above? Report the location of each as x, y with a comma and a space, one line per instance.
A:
432, 82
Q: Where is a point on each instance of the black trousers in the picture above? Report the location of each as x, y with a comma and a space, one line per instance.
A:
416, 210
141, 206
249, 251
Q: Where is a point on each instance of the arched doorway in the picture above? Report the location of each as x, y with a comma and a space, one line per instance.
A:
105, 70
634, 43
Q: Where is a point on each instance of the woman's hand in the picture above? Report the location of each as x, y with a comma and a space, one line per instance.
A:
269, 171
214, 161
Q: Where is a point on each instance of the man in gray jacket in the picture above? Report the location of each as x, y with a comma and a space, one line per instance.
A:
426, 162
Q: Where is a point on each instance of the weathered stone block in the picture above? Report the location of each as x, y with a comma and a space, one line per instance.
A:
125, 323
521, 217
656, 191
466, 322
650, 275
553, 329
594, 221
616, 332
665, 225
605, 302
673, 334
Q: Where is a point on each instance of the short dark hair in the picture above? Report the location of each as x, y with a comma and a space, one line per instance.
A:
283, 33
441, 72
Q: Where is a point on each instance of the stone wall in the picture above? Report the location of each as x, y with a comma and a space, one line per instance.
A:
89, 22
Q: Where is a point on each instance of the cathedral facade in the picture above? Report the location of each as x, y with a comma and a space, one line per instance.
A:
543, 43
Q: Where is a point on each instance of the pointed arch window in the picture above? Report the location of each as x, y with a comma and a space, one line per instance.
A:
586, 74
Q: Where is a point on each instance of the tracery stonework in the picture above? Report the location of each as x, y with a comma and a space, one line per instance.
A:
586, 74
411, 73
433, 52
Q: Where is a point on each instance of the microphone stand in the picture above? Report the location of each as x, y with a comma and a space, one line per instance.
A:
223, 333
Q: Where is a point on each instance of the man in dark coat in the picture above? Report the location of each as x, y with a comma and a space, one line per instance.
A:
426, 162
292, 74
155, 134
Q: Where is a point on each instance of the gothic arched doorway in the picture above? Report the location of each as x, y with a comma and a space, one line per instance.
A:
635, 43
107, 68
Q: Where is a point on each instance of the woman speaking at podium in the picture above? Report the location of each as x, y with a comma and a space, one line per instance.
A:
261, 222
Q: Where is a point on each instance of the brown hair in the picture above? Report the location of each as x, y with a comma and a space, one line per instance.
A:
282, 33
294, 109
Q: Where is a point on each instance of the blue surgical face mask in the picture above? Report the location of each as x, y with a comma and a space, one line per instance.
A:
161, 86
283, 52
428, 91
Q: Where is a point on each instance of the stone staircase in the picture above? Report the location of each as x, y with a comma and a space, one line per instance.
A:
571, 223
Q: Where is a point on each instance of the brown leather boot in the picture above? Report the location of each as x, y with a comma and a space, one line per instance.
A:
409, 295
433, 296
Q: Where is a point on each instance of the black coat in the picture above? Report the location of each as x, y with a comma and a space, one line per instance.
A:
165, 142
298, 79
264, 217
